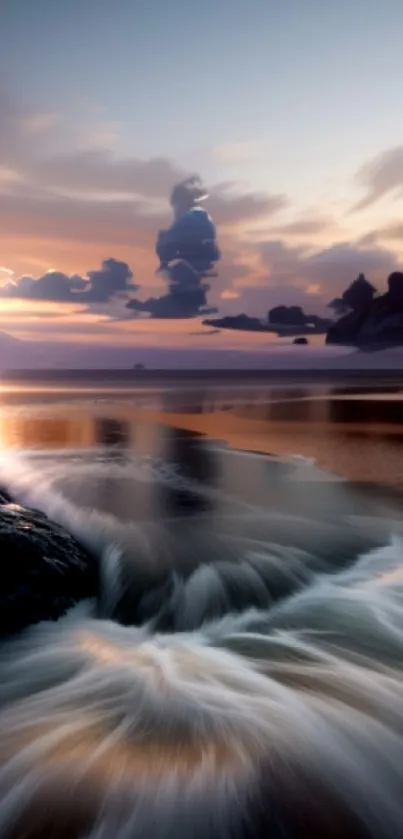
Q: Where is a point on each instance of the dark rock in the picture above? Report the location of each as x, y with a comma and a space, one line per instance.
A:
300, 341
291, 315
5, 497
294, 316
242, 322
346, 330
44, 570
377, 323
288, 324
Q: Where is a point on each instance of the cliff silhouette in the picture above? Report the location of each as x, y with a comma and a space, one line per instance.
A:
369, 319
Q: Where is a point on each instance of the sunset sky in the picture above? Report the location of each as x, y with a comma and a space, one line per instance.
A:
291, 112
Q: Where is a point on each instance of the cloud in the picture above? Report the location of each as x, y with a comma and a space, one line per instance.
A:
112, 280
230, 208
330, 267
305, 226
188, 253
94, 199
12, 140
98, 202
229, 294
38, 123
256, 301
86, 170
100, 171
102, 136
392, 232
241, 152
304, 276
39, 213
381, 176
58, 217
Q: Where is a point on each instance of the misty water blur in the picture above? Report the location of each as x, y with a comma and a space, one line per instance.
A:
240, 672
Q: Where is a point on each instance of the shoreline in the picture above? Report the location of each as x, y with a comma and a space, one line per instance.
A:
230, 375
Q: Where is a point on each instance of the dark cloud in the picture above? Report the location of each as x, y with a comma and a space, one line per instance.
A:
65, 205
186, 296
112, 280
381, 176
96, 199
188, 252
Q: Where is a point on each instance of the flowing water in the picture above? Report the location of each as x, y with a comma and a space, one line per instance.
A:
240, 673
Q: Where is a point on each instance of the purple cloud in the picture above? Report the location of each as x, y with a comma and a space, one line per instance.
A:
112, 280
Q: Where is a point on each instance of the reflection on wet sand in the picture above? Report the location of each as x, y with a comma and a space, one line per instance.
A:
356, 437
186, 451
112, 433
356, 433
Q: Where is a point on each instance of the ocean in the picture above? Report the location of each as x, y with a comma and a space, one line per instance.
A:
241, 673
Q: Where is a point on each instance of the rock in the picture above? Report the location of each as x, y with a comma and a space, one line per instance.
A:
286, 325
291, 315
346, 330
44, 570
295, 317
300, 341
378, 323
242, 322
5, 498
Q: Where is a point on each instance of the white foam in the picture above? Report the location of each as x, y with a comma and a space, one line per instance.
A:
156, 727
128, 732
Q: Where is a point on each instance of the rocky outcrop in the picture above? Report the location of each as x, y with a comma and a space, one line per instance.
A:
44, 570
242, 322
377, 323
295, 317
284, 327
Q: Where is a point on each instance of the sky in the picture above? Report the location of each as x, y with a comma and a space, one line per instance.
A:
290, 113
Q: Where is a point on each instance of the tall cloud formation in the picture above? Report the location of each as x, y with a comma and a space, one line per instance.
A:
69, 207
187, 252
111, 280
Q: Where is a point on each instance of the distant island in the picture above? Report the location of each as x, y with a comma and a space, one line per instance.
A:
369, 319
282, 320
364, 317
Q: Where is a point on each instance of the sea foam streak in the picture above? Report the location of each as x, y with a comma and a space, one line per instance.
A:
259, 694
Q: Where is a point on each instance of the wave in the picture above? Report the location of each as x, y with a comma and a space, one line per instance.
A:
244, 687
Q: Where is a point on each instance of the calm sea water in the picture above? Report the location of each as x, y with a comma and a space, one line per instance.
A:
248, 643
